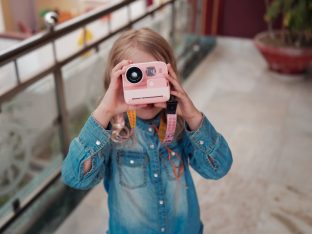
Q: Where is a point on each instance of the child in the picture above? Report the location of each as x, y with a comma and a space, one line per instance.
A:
149, 184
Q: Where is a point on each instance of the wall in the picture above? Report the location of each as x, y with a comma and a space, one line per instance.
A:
64, 5
2, 27
23, 12
27, 12
7, 17
242, 18
237, 18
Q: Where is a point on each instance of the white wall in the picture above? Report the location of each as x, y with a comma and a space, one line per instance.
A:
23, 12
1, 19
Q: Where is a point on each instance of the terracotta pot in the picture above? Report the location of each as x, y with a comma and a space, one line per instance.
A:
288, 60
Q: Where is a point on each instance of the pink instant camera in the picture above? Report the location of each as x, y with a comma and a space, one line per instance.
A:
145, 83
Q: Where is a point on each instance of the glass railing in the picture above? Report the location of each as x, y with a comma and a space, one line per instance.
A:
49, 84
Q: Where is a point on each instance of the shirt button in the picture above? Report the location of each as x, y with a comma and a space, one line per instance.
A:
155, 175
162, 229
97, 142
172, 153
161, 202
152, 146
150, 129
201, 142
131, 161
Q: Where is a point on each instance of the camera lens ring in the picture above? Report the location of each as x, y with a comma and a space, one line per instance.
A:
134, 75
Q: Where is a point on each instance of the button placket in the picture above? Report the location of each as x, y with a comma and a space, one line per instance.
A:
154, 157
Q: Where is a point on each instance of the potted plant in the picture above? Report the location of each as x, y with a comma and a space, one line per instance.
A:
288, 50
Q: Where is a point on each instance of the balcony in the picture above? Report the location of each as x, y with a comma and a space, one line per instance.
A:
265, 117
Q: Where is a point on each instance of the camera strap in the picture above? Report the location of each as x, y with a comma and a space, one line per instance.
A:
170, 125
167, 125
165, 132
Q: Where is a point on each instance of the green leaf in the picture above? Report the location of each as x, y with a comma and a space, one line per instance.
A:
273, 11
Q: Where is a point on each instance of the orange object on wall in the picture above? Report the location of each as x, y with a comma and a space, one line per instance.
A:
64, 15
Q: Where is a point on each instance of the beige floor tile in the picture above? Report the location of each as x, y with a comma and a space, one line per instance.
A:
286, 209
231, 205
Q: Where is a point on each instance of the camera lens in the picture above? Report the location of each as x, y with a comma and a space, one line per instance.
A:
134, 75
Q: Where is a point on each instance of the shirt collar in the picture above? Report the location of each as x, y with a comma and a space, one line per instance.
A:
144, 124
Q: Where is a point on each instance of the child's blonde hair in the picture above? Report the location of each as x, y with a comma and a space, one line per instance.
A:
148, 41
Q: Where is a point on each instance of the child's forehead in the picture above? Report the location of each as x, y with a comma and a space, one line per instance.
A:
138, 55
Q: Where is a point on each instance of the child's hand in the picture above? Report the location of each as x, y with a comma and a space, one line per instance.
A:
113, 102
185, 108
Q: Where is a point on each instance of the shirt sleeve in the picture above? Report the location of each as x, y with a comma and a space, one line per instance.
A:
207, 150
92, 142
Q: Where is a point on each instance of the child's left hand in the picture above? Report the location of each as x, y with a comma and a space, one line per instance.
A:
185, 108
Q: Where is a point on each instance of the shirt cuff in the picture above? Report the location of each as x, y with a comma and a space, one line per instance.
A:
205, 137
93, 136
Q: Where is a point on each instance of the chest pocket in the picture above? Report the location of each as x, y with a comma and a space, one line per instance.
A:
132, 167
174, 165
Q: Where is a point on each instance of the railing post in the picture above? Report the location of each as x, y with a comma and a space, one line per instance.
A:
61, 101
198, 17
62, 110
18, 78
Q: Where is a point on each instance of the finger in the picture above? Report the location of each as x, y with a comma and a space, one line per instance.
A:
115, 76
124, 69
121, 65
175, 83
171, 71
177, 94
179, 110
117, 73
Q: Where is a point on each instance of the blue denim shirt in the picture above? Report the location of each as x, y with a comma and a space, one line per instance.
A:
144, 195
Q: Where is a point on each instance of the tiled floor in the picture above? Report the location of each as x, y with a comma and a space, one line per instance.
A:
267, 121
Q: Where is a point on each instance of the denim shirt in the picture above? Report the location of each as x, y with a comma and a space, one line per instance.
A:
144, 195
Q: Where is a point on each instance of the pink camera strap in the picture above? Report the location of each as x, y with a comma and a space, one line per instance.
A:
170, 129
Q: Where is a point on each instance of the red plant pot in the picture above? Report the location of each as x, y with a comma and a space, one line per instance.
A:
289, 60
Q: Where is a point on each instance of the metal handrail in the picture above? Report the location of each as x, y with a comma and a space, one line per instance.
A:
47, 37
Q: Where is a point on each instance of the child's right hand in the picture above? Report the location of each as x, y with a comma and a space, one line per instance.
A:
113, 102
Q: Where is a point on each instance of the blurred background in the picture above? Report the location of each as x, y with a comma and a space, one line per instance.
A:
245, 64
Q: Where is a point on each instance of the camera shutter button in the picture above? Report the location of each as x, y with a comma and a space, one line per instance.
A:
151, 83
